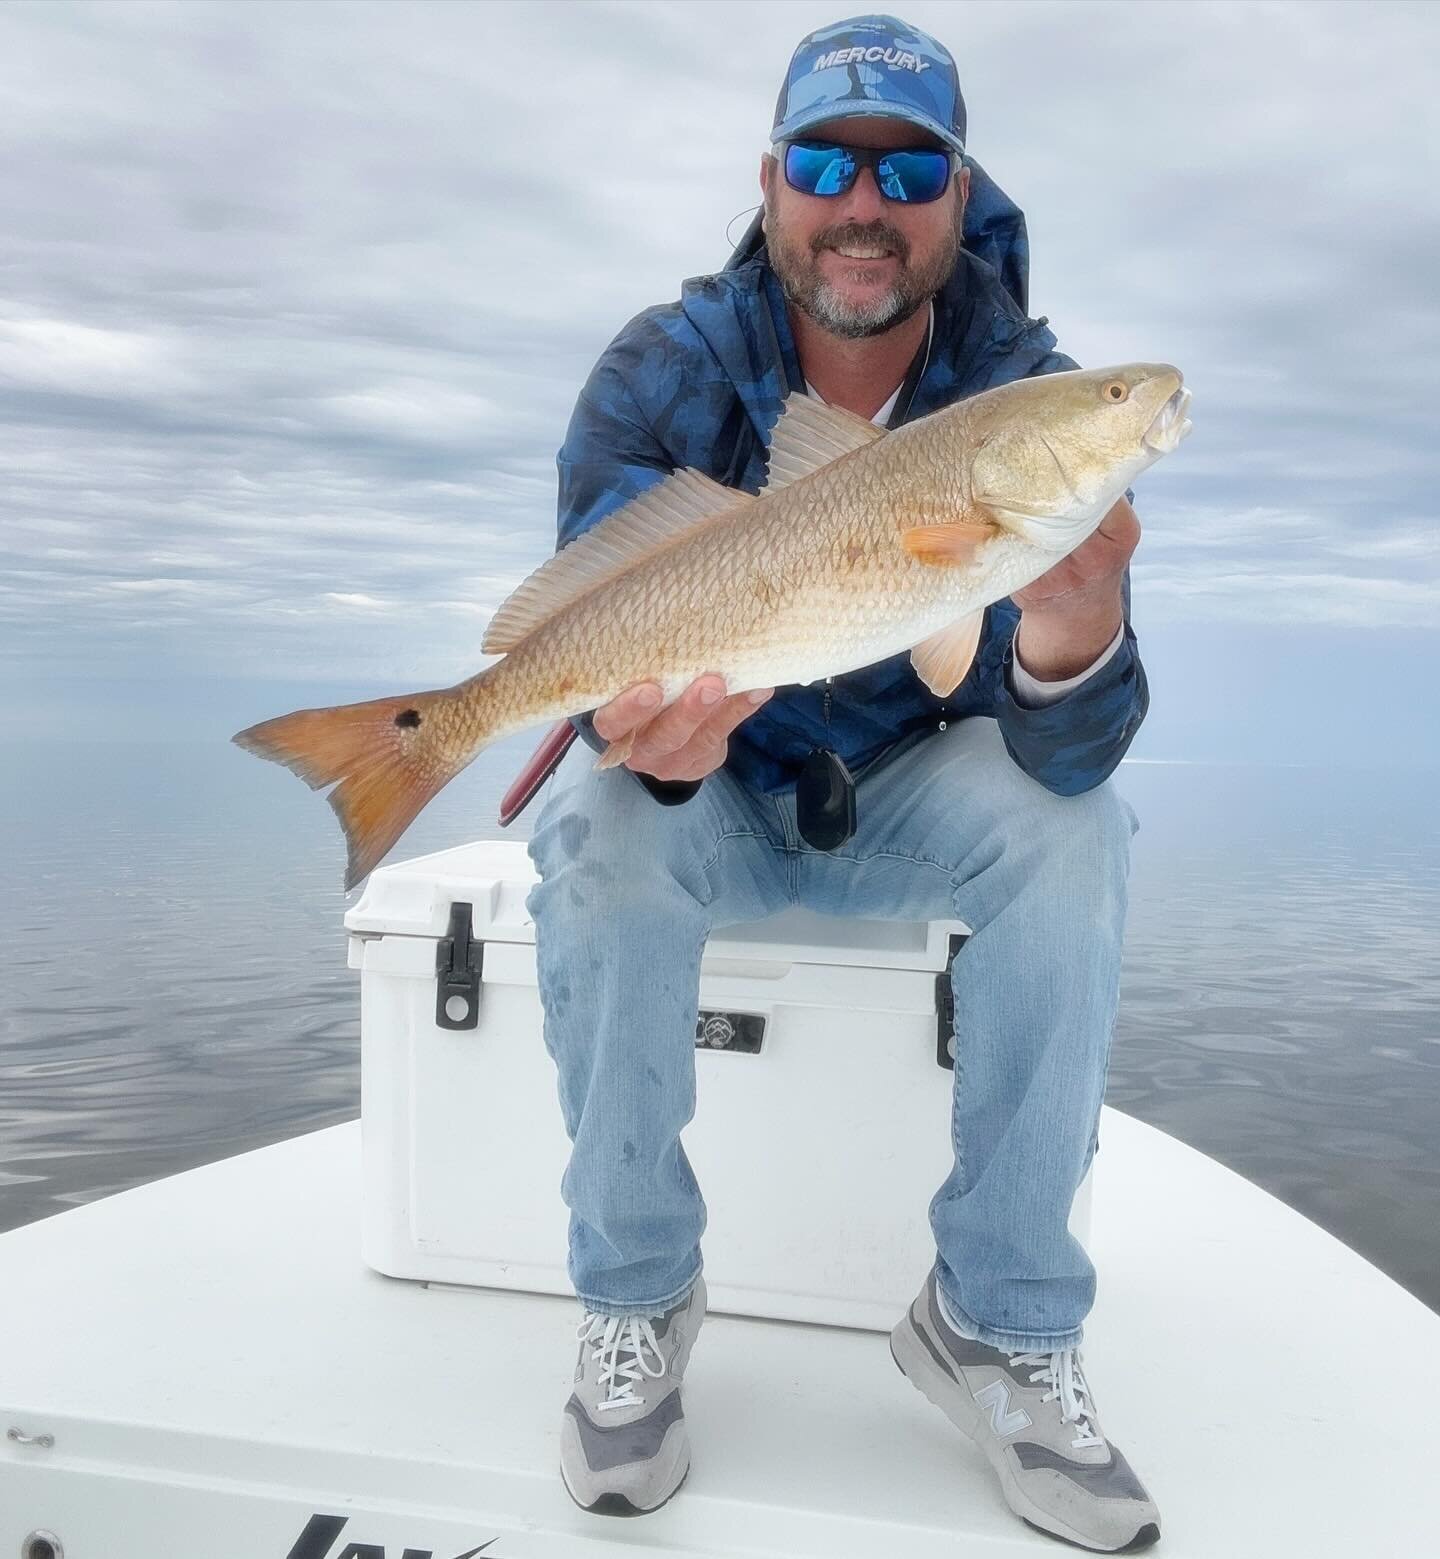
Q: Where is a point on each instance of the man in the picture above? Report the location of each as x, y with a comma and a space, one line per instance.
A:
989, 806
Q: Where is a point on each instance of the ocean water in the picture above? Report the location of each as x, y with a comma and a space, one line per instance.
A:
175, 990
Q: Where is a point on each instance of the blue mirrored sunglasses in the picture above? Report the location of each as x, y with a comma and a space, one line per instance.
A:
914, 174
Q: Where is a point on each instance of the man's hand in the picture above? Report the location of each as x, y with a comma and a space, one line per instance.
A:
1073, 610
685, 741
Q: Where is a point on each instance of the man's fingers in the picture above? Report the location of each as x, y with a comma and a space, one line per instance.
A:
673, 727
627, 711
1121, 525
694, 761
708, 745
729, 713
693, 730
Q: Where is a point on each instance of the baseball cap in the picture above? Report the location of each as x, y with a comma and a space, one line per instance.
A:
871, 66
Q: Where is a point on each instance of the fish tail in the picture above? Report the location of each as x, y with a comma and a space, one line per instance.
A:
386, 758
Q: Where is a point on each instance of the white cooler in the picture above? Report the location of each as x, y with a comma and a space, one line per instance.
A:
822, 1125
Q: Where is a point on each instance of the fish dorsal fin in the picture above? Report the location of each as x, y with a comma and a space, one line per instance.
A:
682, 502
811, 434
942, 660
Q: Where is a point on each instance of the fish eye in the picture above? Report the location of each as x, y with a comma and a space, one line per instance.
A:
1116, 391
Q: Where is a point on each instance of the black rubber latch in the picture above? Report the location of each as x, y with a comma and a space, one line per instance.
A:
945, 1008
459, 965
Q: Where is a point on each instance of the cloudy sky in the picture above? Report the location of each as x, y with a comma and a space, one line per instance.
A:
295, 300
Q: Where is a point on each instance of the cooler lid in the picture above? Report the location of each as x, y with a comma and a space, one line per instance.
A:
413, 898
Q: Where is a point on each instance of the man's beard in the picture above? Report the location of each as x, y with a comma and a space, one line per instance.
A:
798, 268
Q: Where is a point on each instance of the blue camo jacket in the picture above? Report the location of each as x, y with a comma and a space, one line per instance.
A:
700, 382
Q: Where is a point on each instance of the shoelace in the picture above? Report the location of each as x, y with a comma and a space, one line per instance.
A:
621, 1345
1062, 1373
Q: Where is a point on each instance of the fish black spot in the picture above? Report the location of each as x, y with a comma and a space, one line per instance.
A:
629, 1151
408, 719
577, 898
653, 1075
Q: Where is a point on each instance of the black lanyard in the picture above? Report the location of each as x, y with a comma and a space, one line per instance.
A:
825, 791
825, 794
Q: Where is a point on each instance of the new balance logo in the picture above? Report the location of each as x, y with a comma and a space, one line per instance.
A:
995, 1399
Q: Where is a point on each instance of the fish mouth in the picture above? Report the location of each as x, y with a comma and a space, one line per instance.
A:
1171, 425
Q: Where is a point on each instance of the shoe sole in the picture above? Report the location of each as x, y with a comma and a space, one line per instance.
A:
620, 1504
916, 1363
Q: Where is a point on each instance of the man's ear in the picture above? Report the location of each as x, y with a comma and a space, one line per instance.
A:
766, 162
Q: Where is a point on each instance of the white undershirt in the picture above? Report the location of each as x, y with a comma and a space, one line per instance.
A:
1031, 693
1028, 691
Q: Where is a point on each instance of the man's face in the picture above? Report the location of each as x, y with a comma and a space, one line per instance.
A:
806, 235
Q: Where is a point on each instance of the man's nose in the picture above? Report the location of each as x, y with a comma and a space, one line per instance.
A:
863, 202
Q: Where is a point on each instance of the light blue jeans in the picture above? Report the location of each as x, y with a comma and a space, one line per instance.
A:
948, 827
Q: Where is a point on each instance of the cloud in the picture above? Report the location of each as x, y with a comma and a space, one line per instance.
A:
366, 603
298, 299
59, 356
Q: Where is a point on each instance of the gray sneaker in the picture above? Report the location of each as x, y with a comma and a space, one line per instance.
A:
623, 1446
1032, 1415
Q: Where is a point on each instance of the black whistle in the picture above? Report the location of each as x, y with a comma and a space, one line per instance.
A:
825, 800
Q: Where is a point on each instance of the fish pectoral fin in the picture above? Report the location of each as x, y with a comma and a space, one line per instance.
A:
617, 752
810, 435
957, 542
942, 660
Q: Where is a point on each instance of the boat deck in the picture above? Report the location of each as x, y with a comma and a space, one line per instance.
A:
224, 1379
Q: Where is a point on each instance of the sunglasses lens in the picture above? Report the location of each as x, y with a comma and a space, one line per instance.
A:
914, 176
819, 170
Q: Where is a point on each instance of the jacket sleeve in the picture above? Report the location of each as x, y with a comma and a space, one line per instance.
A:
1077, 742
609, 456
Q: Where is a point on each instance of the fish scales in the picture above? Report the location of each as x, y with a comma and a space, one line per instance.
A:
811, 575
896, 543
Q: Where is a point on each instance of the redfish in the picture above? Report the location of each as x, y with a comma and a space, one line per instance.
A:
862, 544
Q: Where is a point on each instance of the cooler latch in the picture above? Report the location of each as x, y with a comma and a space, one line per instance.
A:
945, 1008
459, 964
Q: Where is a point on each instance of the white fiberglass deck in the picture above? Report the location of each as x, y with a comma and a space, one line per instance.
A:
216, 1366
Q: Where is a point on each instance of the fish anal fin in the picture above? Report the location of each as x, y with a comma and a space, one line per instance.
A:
810, 435
617, 752
684, 501
942, 660
952, 542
